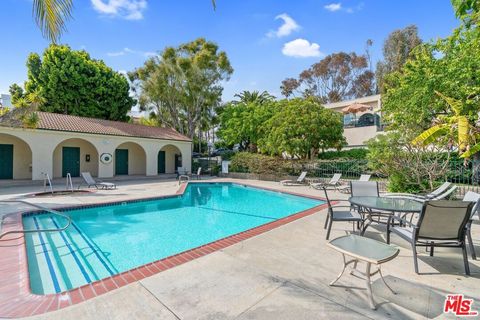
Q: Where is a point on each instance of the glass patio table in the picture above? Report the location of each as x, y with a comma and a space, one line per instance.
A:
367, 250
386, 206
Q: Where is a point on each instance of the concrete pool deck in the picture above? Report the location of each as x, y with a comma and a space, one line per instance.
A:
281, 274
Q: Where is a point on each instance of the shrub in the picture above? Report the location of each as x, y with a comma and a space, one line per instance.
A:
257, 163
227, 155
359, 154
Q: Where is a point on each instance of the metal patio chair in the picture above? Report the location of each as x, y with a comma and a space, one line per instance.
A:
441, 223
346, 214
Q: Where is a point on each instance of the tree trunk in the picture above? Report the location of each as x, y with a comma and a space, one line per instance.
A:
199, 140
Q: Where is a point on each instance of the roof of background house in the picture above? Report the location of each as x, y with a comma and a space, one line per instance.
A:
62, 122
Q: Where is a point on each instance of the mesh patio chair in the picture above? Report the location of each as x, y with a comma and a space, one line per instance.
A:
442, 223
368, 189
346, 189
364, 188
346, 214
475, 216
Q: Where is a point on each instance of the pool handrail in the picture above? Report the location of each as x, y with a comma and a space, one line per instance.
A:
55, 212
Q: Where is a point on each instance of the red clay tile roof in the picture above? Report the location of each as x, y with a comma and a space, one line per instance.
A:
62, 122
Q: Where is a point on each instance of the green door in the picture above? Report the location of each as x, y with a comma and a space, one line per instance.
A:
161, 162
71, 161
6, 161
121, 161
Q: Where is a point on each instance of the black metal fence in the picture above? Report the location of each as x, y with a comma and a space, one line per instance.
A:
209, 166
463, 174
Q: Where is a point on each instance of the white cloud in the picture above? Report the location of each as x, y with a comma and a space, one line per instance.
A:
289, 25
301, 48
333, 7
125, 51
125, 9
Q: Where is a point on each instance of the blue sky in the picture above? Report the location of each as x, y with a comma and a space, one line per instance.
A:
266, 40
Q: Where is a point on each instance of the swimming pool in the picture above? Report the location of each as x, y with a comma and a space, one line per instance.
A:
106, 240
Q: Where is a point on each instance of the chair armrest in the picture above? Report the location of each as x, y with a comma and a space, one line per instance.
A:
400, 219
341, 207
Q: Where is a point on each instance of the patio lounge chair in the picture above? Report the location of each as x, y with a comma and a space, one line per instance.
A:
197, 175
435, 193
334, 182
299, 181
346, 214
475, 198
87, 177
442, 223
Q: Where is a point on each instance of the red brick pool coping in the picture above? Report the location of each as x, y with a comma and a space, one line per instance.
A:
17, 300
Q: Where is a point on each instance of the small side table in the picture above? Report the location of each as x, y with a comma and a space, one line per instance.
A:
367, 250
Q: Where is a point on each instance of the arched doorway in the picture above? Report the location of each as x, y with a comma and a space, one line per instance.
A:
169, 159
74, 156
15, 158
130, 159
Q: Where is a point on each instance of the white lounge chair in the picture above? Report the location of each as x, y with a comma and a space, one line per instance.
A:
441, 196
197, 175
435, 193
334, 182
87, 177
299, 181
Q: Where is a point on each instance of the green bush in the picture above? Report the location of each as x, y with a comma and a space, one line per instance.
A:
258, 164
227, 155
359, 154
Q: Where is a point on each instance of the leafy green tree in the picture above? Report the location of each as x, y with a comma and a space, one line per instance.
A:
397, 48
449, 66
16, 92
302, 127
409, 167
244, 123
467, 10
70, 82
182, 84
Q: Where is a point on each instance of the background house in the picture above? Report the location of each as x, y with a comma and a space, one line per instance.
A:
363, 124
62, 144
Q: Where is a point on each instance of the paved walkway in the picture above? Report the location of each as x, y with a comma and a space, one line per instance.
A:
281, 274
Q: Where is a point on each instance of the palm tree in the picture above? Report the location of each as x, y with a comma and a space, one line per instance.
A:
455, 127
51, 16
254, 96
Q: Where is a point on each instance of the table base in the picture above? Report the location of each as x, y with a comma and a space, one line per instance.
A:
367, 274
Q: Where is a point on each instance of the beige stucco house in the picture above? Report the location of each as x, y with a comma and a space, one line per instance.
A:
62, 144
362, 126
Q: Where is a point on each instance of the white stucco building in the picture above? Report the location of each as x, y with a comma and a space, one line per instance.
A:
62, 144
362, 126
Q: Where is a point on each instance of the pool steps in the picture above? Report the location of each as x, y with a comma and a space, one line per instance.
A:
63, 260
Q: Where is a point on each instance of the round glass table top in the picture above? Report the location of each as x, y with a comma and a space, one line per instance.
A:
364, 248
387, 204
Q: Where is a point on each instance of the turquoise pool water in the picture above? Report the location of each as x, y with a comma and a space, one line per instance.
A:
106, 240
